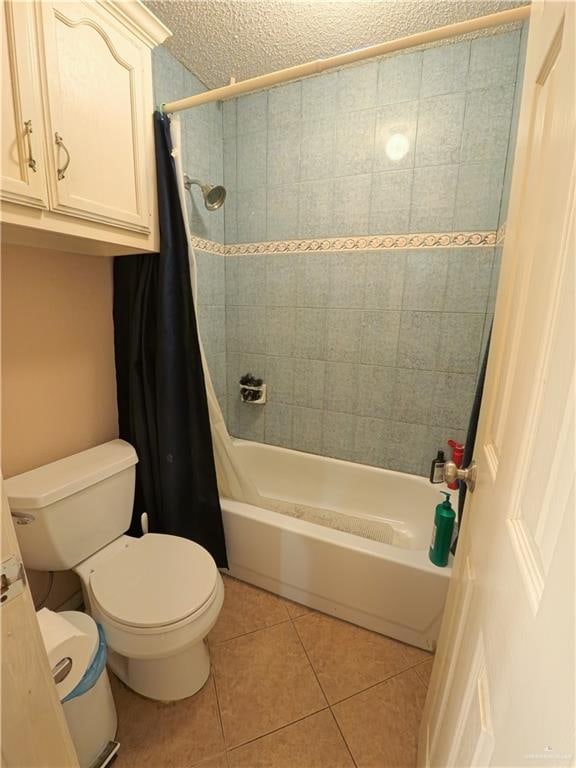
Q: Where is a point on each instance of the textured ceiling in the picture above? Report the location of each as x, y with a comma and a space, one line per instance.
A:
217, 39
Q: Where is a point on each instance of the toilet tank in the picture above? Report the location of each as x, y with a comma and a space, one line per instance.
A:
68, 510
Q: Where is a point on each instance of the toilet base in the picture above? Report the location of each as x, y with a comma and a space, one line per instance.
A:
166, 679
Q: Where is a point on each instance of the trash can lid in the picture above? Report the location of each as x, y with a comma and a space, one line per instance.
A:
85, 624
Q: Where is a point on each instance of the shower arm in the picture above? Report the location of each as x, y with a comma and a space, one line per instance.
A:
214, 196
188, 182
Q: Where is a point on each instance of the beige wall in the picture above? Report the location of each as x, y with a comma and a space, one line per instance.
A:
58, 379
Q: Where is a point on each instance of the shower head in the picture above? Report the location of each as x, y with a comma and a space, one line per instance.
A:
213, 196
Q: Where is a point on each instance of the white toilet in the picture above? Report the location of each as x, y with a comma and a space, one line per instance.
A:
157, 597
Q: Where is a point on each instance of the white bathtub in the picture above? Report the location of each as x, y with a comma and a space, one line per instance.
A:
394, 590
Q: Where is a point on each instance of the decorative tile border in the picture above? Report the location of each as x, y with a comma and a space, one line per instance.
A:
209, 245
501, 234
361, 243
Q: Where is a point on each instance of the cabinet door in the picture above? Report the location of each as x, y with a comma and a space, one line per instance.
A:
95, 78
23, 172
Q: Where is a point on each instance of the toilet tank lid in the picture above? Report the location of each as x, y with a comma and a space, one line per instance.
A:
52, 482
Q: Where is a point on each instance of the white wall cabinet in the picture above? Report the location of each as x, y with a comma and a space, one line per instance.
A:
23, 171
79, 75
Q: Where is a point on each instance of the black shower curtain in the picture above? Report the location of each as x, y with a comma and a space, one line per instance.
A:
162, 405
471, 434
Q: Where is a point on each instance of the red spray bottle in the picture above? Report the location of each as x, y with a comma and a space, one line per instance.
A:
457, 456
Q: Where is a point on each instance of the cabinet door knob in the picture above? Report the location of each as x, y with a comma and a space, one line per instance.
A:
27, 133
60, 144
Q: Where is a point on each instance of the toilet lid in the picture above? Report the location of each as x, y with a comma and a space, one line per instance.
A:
156, 581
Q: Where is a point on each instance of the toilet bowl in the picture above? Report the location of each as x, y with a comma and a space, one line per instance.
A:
157, 596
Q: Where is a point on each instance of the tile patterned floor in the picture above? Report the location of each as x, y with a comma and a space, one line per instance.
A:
290, 688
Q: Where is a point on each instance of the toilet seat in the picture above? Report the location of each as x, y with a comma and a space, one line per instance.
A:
158, 581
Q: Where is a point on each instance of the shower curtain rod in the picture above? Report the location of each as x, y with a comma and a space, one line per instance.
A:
320, 65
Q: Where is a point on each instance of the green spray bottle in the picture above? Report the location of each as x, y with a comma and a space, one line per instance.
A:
444, 519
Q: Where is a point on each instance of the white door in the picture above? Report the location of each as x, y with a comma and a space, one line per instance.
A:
34, 730
503, 685
95, 81
23, 171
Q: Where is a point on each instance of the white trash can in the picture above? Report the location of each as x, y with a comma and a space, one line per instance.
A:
89, 708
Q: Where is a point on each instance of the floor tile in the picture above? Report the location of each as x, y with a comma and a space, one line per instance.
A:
267, 698
218, 761
424, 671
314, 742
346, 658
415, 655
246, 609
264, 682
171, 735
381, 724
297, 609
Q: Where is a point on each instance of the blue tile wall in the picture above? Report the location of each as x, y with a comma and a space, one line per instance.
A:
514, 124
368, 356
202, 145
212, 325
391, 120
330, 149
445, 69
203, 158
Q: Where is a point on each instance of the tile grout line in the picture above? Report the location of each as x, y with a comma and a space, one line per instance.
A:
335, 308
309, 659
226, 748
340, 731
415, 668
362, 690
277, 730
323, 692
328, 706
213, 671
380, 682
294, 358
251, 632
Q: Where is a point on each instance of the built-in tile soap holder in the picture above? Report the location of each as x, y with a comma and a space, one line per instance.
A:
252, 390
